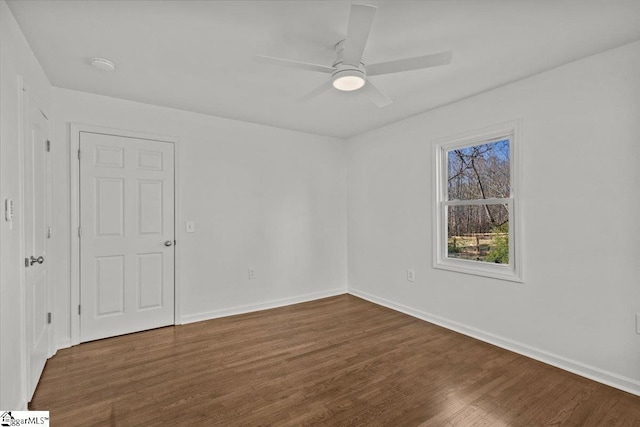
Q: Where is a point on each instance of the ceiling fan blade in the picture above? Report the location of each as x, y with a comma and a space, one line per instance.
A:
375, 96
293, 64
317, 91
418, 62
360, 20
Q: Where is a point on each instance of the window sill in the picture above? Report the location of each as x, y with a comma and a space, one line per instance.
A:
478, 268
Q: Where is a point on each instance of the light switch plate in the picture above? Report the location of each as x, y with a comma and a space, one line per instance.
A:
190, 226
8, 212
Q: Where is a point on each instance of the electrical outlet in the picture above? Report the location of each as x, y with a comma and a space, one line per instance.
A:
252, 274
411, 275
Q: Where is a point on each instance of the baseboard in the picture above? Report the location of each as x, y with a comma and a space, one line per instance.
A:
20, 405
63, 344
191, 318
629, 385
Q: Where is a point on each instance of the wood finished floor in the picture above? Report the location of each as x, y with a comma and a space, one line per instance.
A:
337, 361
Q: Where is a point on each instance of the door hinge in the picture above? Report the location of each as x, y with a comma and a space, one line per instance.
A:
78, 309
48, 232
78, 154
79, 231
48, 318
48, 145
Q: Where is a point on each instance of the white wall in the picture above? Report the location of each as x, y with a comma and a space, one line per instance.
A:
16, 59
581, 240
276, 200
263, 198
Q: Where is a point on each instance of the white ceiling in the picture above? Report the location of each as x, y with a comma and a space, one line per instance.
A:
197, 55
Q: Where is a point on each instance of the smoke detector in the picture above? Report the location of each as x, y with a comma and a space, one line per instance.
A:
103, 64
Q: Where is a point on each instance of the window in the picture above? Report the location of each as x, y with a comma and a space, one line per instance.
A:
476, 203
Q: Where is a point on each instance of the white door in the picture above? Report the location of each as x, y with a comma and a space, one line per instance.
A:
126, 235
35, 244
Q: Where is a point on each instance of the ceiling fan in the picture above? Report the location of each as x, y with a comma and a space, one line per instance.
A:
348, 73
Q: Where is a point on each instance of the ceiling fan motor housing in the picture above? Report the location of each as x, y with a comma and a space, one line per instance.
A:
347, 77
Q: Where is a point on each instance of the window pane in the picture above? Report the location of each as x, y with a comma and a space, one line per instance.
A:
478, 233
479, 171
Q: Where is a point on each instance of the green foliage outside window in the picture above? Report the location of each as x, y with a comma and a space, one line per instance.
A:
500, 251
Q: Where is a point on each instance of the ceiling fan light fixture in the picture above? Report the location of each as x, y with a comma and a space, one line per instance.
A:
348, 72
348, 80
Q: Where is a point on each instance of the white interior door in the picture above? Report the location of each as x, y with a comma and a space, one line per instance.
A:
35, 245
126, 235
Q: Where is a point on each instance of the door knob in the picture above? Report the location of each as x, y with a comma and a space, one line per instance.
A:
168, 243
33, 260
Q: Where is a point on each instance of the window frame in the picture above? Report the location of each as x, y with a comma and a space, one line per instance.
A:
513, 270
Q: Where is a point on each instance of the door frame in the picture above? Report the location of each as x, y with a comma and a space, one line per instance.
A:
75, 129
